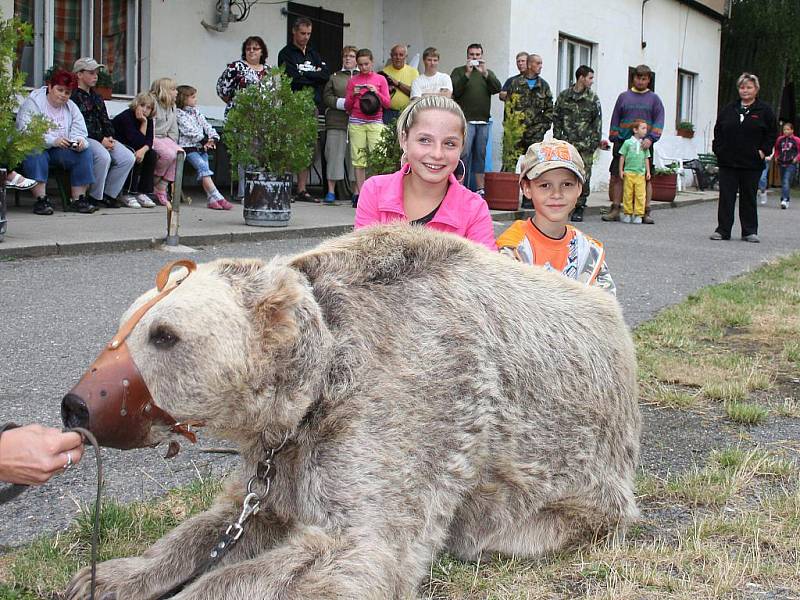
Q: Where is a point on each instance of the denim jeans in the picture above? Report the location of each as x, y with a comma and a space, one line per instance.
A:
762, 182
199, 160
474, 154
78, 164
787, 177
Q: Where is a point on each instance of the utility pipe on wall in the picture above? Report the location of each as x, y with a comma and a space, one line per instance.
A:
224, 18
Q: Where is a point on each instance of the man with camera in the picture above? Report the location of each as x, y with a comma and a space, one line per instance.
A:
473, 87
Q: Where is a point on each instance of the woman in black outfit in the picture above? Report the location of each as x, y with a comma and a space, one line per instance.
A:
134, 128
744, 135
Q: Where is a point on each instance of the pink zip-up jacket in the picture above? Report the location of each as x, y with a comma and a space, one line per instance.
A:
462, 212
352, 107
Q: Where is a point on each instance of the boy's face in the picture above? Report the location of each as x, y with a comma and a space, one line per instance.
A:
640, 130
788, 129
554, 194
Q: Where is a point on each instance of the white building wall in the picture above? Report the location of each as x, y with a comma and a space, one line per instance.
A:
6, 9
181, 48
676, 37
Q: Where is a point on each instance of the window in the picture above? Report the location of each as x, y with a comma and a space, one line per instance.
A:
572, 54
65, 30
686, 81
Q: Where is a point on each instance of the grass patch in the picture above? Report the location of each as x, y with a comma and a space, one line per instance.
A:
46, 565
745, 413
721, 529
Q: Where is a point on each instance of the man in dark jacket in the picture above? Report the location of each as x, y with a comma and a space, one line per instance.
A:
307, 70
744, 135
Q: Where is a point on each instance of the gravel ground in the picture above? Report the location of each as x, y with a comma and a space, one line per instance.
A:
56, 314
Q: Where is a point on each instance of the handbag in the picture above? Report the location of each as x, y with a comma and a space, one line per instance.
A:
369, 103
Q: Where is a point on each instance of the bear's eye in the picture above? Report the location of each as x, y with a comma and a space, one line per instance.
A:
163, 337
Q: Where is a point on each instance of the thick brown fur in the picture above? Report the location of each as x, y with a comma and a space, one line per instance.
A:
437, 397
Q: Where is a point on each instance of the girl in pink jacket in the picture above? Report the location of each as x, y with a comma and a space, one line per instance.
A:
424, 191
366, 117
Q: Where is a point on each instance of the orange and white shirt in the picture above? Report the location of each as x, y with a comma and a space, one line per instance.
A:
575, 255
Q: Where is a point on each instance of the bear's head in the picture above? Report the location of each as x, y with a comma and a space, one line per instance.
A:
239, 346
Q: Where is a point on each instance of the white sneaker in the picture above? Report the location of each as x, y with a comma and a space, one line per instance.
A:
637, 220
762, 197
784, 204
625, 218
130, 201
145, 201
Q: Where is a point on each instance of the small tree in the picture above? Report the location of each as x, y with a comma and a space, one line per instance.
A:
15, 145
513, 128
384, 157
271, 127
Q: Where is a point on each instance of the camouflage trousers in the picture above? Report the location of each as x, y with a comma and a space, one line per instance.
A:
588, 159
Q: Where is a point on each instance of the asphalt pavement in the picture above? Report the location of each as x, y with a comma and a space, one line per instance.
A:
59, 310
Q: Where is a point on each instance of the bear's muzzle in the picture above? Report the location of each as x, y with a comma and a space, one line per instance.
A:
112, 400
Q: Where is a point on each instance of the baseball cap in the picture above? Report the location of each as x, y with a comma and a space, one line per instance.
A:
549, 155
87, 63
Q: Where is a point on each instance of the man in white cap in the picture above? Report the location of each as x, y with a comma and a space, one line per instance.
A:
112, 160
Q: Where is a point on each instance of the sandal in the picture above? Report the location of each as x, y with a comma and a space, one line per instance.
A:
18, 182
304, 196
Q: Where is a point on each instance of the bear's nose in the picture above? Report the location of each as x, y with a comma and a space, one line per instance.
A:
74, 412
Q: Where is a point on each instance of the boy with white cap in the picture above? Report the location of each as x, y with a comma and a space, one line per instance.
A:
112, 160
552, 177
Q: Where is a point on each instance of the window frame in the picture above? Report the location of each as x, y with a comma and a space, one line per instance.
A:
90, 39
684, 74
565, 70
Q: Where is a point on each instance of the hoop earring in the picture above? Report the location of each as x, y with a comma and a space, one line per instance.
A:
460, 178
405, 166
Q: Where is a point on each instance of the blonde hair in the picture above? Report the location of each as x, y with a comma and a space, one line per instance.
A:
433, 102
161, 88
143, 99
748, 77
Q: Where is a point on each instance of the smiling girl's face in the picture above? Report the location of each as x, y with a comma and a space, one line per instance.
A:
433, 145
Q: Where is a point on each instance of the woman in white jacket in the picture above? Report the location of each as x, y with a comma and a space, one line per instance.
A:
65, 142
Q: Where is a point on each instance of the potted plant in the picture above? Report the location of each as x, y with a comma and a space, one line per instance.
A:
686, 129
502, 189
16, 144
270, 130
384, 157
665, 183
105, 84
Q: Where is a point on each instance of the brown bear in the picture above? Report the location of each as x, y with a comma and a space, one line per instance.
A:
419, 394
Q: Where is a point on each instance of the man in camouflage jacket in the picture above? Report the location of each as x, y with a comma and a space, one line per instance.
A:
534, 100
578, 119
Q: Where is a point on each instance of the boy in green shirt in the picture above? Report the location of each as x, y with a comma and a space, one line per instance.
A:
634, 169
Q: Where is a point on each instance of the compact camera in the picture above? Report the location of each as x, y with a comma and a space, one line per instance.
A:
474, 63
74, 143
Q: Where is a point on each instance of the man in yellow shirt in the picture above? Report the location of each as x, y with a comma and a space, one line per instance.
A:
400, 76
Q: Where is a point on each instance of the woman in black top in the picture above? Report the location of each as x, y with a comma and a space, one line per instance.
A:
134, 128
744, 135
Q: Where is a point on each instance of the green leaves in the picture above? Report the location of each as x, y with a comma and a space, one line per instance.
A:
272, 127
384, 157
15, 145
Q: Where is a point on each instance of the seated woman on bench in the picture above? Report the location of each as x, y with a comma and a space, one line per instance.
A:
65, 142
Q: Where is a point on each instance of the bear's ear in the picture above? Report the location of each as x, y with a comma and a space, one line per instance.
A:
270, 292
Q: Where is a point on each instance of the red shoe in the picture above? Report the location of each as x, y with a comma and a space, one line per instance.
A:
162, 198
224, 204
216, 205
